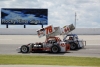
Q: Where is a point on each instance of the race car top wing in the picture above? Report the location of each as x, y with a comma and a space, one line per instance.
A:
68, 28
51, 31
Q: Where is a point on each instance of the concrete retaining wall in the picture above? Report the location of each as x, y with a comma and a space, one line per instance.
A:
80, 31
7, 31
87, 31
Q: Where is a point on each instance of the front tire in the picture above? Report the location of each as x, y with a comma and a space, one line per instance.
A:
73, 46
24, 49
55, 49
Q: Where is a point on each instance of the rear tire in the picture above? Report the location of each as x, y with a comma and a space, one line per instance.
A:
73, 46
24, 49
55, 49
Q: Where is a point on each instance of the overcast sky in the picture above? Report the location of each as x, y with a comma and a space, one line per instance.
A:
61, 12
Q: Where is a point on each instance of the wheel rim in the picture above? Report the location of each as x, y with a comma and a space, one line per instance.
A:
55, 49
24, 49
73, 46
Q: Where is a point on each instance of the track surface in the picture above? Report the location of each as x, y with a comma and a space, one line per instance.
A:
88, 51
9, 44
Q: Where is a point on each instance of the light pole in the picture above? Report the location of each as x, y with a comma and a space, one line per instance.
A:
75, 19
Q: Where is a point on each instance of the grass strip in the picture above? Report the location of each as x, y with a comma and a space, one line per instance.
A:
48, 60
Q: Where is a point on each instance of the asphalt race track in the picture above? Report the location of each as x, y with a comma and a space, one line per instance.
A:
88, 51
9, 44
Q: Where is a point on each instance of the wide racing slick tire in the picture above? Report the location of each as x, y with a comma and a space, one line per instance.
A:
24, 49
55, 49
73, 46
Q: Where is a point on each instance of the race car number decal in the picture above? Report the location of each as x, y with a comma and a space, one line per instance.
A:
66, 29
45, 31
49, 30
62, 44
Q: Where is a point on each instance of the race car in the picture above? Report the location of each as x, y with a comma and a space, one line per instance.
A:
74, 41
51, 44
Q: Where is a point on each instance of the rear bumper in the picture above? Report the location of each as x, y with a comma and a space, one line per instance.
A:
82, 44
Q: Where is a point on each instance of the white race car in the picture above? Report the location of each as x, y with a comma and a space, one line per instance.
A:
74, 41
51, 44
